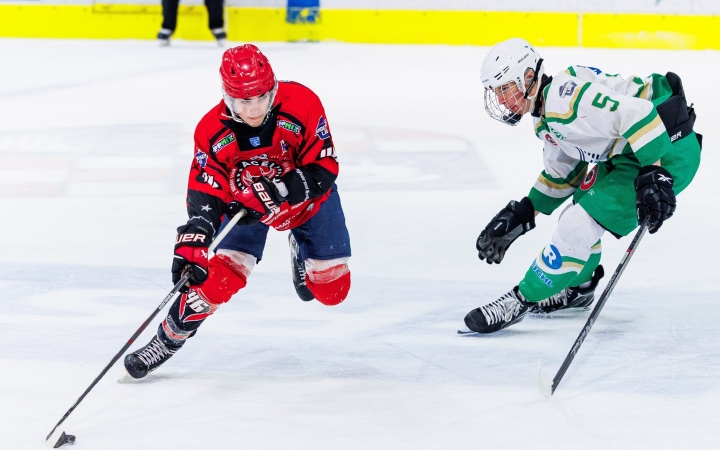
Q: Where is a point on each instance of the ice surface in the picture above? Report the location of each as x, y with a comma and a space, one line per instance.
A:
96, 140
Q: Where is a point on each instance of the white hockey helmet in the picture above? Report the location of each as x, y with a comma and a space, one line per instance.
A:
506, 68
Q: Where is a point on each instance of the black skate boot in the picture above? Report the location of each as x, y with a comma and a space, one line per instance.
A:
570, 297
298, 271
163, 37
503, 312
143, 361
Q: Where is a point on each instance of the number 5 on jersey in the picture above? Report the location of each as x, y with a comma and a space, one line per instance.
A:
605, 99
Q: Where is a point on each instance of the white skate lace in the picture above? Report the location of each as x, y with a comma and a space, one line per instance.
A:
505, 308
154, 352
554, 300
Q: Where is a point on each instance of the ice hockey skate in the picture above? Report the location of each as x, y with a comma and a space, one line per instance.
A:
143, 361
298, 271
503, 312
163, 37
570, 297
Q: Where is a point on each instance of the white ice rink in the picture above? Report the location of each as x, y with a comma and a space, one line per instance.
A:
95, 144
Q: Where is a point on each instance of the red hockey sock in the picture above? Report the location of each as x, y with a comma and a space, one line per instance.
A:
225, 279
333, 291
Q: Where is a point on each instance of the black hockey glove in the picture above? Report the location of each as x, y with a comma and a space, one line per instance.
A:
259, 199
191, 253
514, 220
655, 197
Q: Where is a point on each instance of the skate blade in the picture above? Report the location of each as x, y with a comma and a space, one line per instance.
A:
125, 377
466, 332
546, 387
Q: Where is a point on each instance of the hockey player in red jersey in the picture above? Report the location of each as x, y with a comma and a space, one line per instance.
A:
265, 148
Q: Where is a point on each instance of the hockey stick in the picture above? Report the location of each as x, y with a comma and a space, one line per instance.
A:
547, 389
59, 436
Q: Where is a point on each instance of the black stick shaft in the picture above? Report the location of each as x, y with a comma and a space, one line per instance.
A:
144, 325
599, 306
127, 345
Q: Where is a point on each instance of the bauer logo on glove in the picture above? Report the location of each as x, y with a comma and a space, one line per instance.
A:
190, 237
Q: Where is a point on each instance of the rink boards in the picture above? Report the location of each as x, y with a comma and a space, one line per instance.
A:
264, 24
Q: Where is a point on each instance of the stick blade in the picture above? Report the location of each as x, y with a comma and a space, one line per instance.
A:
59, 438
546, 387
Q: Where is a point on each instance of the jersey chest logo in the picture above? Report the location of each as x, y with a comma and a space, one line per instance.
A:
224, 142
287, 125
247, 172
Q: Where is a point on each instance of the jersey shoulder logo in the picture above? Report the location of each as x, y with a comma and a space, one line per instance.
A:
201, 158
322, 129
568, 88
222, 143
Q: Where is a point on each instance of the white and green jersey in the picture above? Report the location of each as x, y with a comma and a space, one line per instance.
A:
590, 116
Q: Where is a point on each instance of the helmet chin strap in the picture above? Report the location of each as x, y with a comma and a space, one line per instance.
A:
538, 99
534, 79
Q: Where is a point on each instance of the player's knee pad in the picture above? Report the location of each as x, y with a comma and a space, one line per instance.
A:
328, 280
577, 233
229, 270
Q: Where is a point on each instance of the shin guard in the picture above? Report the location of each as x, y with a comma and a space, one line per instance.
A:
228, 274
570, 257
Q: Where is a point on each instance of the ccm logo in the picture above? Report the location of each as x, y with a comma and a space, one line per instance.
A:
264, 196
190, 237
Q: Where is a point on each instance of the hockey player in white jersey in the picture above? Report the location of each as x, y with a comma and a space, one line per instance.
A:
637, 133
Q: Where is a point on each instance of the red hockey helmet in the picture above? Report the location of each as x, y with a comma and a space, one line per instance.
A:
246, 72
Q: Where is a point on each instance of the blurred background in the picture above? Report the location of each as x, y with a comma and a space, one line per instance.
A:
660, 24
96, 138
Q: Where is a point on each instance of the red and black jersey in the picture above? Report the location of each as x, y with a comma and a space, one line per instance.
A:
293, 144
